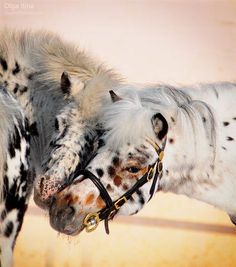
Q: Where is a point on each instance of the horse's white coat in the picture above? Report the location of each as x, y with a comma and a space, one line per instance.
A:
199, 156
31, 65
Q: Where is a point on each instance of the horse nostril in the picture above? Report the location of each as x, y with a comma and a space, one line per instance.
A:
69, 212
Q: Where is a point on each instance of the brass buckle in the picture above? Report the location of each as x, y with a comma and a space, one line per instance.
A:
161, 155
91, 222
118, 201
111, 214
160, 167
150, 173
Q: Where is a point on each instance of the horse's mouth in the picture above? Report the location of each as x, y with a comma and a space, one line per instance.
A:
65, 219
68, 229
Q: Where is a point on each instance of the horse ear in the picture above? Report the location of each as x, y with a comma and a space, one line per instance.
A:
70, 86
160, 125
114, 96
65, 83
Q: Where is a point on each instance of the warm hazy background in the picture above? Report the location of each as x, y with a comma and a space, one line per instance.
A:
178, 42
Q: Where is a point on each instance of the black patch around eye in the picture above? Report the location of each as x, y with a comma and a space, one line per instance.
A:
229, 138
3, 64
16, 69
204, 119
111, 171
8, 230
100, 172
225, 123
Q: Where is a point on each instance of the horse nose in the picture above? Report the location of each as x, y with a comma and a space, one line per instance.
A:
61, 215
66, 213
42, 203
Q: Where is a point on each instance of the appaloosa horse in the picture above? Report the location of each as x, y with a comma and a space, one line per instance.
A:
57, 110
194, 126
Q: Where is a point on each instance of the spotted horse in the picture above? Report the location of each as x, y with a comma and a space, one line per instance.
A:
193, 126
15, 180
58, 90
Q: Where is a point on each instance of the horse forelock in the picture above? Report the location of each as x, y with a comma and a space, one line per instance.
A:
126, 121
129, 119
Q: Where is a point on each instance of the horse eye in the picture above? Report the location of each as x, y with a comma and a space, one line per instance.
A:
133, 169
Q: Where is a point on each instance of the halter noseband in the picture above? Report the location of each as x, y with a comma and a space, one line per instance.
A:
154, 173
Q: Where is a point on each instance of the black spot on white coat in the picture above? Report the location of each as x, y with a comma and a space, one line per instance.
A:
16, 69
3, 63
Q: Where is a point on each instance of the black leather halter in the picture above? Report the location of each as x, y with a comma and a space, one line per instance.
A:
154, 173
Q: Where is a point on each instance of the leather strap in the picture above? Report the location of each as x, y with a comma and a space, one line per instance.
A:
112, 207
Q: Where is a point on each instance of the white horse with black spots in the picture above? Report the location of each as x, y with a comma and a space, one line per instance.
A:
194, 126
61, 116
63, 113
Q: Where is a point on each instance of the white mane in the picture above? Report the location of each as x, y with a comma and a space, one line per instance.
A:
129, 120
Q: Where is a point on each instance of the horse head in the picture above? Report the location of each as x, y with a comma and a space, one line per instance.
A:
121, 176
72, 142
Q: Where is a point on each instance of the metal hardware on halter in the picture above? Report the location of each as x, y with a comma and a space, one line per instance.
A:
91, 222
123, 199
161, 155
150, 173
154, 173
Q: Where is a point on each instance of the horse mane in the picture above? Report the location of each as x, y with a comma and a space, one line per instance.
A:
9, 112
129, 120
126, 120
47, 55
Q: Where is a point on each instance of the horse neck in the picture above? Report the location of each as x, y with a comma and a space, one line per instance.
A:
191, 150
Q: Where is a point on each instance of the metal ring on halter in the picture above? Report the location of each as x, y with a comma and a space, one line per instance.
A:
92, 220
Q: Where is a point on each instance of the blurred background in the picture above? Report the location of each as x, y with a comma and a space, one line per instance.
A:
178, 42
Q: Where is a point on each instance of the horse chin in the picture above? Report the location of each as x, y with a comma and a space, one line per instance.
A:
64, 218
73, 232
70, 229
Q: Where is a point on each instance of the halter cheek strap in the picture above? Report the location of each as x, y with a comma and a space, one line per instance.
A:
154, 173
